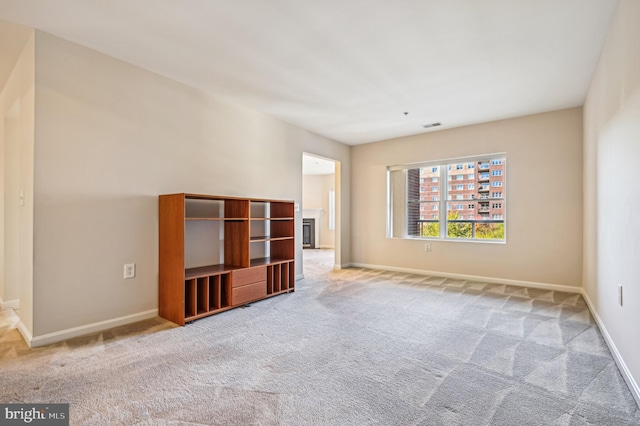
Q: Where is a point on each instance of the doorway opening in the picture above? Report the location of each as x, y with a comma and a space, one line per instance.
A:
320, 213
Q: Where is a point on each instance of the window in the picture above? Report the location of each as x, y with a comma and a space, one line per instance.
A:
414, 212
496, 216
496, 205
496, 162
421, 180
496, 173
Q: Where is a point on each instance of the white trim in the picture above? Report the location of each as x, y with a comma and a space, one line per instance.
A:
343, 266
25, 333
59, 336
617, 357
13, 304
326, 247
532, 284
299, 277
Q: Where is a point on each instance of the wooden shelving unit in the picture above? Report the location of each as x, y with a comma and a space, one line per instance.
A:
257, 254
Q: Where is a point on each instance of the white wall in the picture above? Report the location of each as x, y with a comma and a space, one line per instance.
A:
611, 195
111, 137
16, 145
315, 195
544, 200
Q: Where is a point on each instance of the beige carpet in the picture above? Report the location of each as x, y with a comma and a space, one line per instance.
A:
352, 347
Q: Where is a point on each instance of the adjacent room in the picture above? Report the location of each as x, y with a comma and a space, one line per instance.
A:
296, 212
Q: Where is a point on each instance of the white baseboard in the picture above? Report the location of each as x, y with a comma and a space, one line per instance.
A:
532, 284
299, 277
13, 304
617, 357
59, 336
25, 333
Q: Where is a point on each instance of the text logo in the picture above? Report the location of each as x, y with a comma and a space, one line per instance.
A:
34, 414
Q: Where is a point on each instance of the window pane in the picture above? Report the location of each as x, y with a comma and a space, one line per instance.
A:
457, 225
490, 231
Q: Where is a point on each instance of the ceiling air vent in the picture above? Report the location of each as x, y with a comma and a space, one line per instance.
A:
428, 126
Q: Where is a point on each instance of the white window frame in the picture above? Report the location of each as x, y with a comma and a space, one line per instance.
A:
445, 166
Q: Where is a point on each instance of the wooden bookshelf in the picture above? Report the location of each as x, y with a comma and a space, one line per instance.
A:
257, 251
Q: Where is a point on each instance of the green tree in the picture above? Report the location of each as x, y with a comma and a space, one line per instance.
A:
430, 229
458, 229
490, 231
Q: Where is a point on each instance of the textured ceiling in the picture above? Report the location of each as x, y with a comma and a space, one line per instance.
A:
349, 70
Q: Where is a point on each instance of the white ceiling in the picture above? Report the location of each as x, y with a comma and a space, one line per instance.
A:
349, 69
312, 165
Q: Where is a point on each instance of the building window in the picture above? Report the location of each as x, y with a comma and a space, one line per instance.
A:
496, 173
413, 211
496, 162
496, 216
496, 205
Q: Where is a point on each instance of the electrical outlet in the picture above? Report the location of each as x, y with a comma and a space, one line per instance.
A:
296, 207
427, 246
129, 270
620, 294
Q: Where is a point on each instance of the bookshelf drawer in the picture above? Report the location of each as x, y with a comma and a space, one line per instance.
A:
248, 293
243, 277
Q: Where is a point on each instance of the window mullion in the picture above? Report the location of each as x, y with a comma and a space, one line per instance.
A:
444, 194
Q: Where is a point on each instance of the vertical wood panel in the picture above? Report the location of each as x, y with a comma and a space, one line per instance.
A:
171, 257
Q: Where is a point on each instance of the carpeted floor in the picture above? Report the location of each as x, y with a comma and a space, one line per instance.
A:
351, 347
